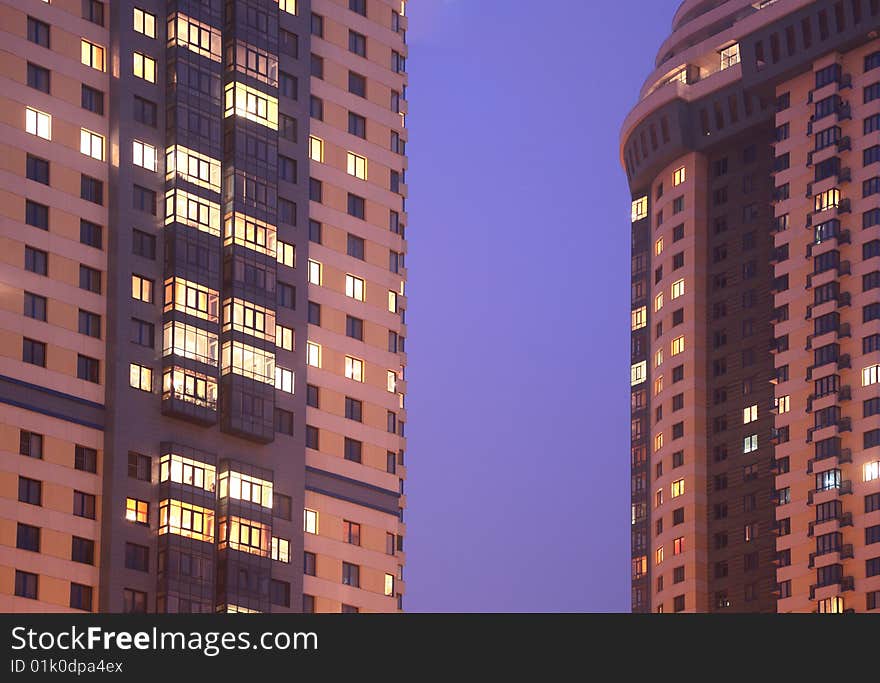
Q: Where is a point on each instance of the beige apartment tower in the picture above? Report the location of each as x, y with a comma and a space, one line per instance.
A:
753, 158
203, 306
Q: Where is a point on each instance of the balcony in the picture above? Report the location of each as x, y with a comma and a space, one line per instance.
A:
844, 552
844, 144
845, 456
843, 268
842, 299
844, 424
844, 393
844, 207
841, 332
838, 237
845, 488
846, 583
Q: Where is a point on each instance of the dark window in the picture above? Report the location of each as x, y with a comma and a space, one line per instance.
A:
872, 61
82, 550
83, 505
27, 537
357, 43
678, 603
279, 593
354, 409
314, 313
872, 534
85, 459
143, 333
33, 352
357, 84
90, 324
871, 92
287, 127
357, 125
87, 368
93, 11
89, 279
316, 108
314, 231
26, 584
137, 557
92, 190
144, 200
288, 43
309, 563
38, 32
36, 214
36, 260
35, 306
145, 111
871, 155
139, 466
287, 169
134, 602
316, 190
312, 440
281, 506
317, 66
92, 100
30, 491
286, 295
872, 502
354, 327
353, 449
359, 6
283, 421
872, 567
351, 574
317, 25
143, 244
308, 604
288, 86
80, 597
90, 233
356, 206
312, 396
37, 169
355, 247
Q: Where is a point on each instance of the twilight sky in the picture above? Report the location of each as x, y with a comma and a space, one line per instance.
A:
518, 434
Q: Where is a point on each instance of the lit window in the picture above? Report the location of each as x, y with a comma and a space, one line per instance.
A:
354, 369
677, 345
391, 383
185, 519
870, 375
357, 166
38, 123
197, 37
658, 246
141, 289
191, 298
245, 487
316, 149
827, 200
783, 404
392, 302
189, 341
313, 354
658, 555
249, 232
140, 377
639, 318
678, 176
144, 22
137, 511
243, 316
192, 210
750, 443
285, 254
314, 272
280, 551
658, 442
658, 385
288, 6
750, 414
284, 379
310, 521
354, 287
389, 584
658, 302
639, 209
730, 56
144, 155
638, 373
251, 104
248, 361
91, 144
831, 605
872, 470
194, 167
189, 386
176, 468
144, 67
676, 489
92, 55
678, 546
658, 358
677, 289
284, 337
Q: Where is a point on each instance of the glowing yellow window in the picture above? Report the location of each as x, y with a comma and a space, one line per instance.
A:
870, 375
251, 104
678, 546
192, 210
284, 337
677, 289
141, 289
316, 149
315, 270
92, 55
144, 67
137, 511
186, 471
354, 287
144, 22
658, 555
185, 519
750, 414
192, 166
91, 144
658, 246
144, 155
288, 6
827, 200
638, 373
389, 584
730, 56
658, 358
639, 209
285, 254
140, 377
639, 318
392, 302
872, 470
658, 442
678, 176
391, 384
831, 605
195, 36
658, 302
310, 521
313, 354
676, 489
677, 345
354, 369
357, 166
658, 498
280, 550
783, 404
658, 385
38, 123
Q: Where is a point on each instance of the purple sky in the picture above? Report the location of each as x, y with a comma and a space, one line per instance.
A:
518, 437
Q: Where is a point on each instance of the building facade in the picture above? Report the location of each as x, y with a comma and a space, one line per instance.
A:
753, 158
203, 305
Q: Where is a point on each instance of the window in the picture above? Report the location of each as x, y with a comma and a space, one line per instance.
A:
310, 521
355, 246
354, 287
91, 189
284, 379
87, 368
357, 84
144, 67
36, 215
38, 77
677, 488
678, 176
83, 505
137, 511
27, 537
677, 289
35, 306
284, 337
314, 271
351, 532
92, 55
356, 206
144, 22
354, 327
677, 345
90, 234
82, 550
137, 557
359, 6
317, 66
33, 352
144, 155
357, 125
36, 260
92, 100
357, 166
80, 597
142, 288
357, 43
351, 575
354, 369
38, 123
750, 443
140, 377
85, 459
313, 354
750, 414
38, 32
90, 324
26, 584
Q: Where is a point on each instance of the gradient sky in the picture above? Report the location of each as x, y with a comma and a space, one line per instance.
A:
518, 429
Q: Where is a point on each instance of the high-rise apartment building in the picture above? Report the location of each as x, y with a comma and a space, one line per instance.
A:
202, 215
753, 158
